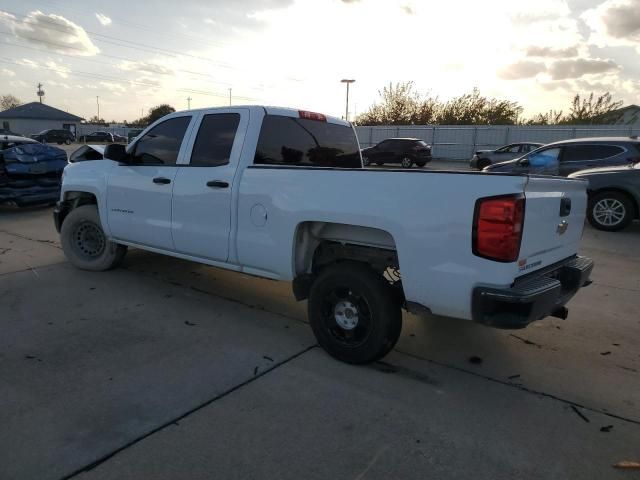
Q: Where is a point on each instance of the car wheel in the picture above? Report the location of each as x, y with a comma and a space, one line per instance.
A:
365, 161
406, 162
483, 163
610, 211
421, 164
84, 243
67, 141
354, 314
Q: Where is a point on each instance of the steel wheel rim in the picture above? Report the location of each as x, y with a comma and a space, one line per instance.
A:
88, 240
347, 316
609, 212
406, 162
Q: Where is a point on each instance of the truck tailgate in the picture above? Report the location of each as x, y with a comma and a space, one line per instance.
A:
554, 218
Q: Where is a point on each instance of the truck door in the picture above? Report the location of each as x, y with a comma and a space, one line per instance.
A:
139, 193
202, 194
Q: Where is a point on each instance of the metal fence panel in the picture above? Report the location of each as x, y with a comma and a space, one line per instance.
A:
459, 142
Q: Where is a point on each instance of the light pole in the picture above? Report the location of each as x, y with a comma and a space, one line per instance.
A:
229, 97
346, 110
98, 104
189, 103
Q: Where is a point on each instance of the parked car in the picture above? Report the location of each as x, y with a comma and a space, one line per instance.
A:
87, 152
278, 193
119, 138
30, 172
484, 158
106, 137
569, 156
9, 141
54, 136
133, 133
614, 196
405, 151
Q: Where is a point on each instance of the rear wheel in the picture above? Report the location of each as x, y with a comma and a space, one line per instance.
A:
354, 314
84, 243
67, 141
610, 211
406, 162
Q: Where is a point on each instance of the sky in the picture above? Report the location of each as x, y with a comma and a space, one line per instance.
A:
135, 55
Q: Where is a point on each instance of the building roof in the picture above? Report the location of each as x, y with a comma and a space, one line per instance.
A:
38, 111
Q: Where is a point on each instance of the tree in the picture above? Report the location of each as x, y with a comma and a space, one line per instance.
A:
9, 101
96, 120
400, 105
583, 110
158, 112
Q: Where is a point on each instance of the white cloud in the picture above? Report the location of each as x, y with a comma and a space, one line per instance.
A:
113, 87
8, 73
103, 19
60, 70
53, 32
27, 63
146, 67
614, 23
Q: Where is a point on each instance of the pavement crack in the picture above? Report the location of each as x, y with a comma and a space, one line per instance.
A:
39, 240
521, 387
176, 420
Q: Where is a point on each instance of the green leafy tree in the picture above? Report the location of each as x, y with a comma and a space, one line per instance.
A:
9, 101
586, 110
158, 112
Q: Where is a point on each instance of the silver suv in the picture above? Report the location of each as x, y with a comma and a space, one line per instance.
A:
569, 156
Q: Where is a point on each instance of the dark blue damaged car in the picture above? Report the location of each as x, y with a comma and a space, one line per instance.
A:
30, 172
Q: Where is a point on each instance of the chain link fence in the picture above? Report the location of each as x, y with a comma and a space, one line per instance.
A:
459, 142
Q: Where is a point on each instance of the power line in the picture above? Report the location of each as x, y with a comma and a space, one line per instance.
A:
109, 78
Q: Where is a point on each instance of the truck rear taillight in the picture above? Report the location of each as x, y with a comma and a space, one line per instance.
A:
497, 227
312, 116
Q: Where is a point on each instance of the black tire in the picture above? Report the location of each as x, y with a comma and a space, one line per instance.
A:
367, 300
610, 211
365, 161
85, 244
67, 142
483, 163
406, 162
421, 164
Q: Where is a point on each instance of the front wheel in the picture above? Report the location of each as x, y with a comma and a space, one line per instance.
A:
406, 162
85, 244
365, 161
354, 314
610, 211
67, 142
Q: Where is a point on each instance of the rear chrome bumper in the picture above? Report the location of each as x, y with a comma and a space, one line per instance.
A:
532, 297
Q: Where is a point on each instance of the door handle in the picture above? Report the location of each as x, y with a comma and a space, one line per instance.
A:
217, 184
161, 180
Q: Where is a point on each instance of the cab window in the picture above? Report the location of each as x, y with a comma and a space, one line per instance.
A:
161, 144
215, 140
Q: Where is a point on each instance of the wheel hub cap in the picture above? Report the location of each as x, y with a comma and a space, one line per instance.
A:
609, 211
346, 315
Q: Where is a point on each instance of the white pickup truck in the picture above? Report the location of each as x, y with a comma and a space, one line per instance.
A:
281, 194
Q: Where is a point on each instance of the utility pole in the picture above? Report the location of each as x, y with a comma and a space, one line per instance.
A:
98, 104
40, 91
346, 111
229, 96
189, 103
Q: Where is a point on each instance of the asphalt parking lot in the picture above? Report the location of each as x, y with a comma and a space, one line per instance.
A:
167, 369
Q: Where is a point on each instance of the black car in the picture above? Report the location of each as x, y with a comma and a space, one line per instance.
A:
484, 158
405, 151
614, 196
54, 136
569, 156
98, 137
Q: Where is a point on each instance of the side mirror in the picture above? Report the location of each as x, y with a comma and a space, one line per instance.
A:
116, 152
524, 162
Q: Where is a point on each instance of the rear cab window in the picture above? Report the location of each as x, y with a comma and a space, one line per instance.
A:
291, 141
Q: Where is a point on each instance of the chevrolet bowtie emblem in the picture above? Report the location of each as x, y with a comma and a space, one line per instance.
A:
562, 227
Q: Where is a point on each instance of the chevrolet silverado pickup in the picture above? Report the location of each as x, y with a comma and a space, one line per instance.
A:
282, 194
